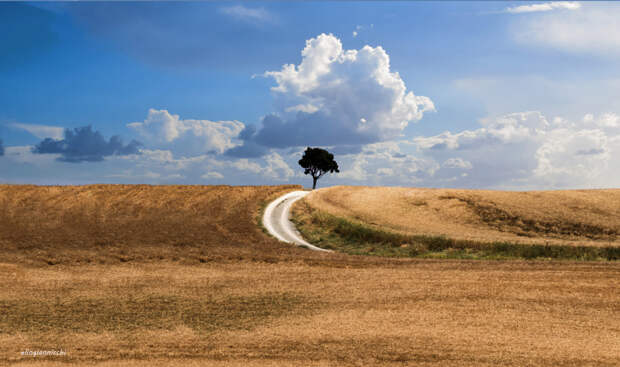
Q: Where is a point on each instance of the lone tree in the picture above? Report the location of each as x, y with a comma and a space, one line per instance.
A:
317, 162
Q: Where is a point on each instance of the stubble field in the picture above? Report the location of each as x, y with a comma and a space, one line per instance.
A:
177, 275
577, 217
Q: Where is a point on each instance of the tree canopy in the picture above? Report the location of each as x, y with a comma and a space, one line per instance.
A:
317, 162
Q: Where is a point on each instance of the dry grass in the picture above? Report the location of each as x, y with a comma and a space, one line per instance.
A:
578, 217
252, 301
110, 224
425, 313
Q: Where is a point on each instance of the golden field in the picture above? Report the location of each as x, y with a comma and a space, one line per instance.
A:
578, 217
110, 224
183, 276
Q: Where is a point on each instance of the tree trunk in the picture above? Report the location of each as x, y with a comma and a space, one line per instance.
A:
314, 182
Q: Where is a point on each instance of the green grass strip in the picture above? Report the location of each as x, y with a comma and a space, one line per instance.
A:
331, 232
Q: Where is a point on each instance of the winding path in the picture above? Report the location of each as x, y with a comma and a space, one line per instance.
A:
276, 220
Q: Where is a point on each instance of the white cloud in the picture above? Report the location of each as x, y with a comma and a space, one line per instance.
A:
349, 85
522, 150
277, 168
339, 97
22, 154
383, 171
244, 164
593, 29
254, 15
212, 174
41, 131
354, 33
356, 171
384, 164
457, 163
163, 129
307, 108
165, 159
573, 154
508, 129
570, 5
151, 166
606, 120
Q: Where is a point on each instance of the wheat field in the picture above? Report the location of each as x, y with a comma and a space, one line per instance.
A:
184, 276
578, 217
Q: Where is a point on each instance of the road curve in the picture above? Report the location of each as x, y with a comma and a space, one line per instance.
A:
276, 220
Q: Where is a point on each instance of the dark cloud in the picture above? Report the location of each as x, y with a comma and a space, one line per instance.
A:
249, 149
307, 129
82, 144
1, 148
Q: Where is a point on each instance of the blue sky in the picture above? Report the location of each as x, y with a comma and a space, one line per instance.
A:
501, 95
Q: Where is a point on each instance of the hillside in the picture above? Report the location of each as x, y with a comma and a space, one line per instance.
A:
128, 223
576, 217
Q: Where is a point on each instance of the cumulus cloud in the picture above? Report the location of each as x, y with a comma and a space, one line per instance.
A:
385, 163
82, 144
190, 137
593, 29
243, 13
357, 171
570, 5
457, 163
525, 149
277, 168
244, 164
512, 128
41, 131
337, 97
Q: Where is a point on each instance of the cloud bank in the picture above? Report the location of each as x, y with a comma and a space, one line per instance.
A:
335, 97
516, 151
521, 149
82, 144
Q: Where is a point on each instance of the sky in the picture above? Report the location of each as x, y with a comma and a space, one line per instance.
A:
480, 95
